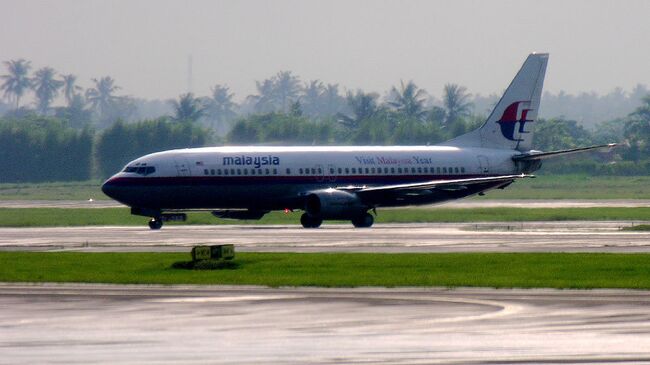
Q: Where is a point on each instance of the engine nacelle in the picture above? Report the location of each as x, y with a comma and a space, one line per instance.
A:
334, 204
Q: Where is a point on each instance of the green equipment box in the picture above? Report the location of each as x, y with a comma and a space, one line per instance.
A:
226, 252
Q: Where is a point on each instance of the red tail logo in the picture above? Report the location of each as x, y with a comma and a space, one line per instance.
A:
511, 116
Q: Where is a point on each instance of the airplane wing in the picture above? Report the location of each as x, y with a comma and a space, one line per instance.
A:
536, 155
449, 185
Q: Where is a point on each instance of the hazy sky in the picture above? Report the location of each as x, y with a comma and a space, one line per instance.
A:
145, 44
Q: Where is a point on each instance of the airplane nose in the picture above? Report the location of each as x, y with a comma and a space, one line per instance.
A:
110, 188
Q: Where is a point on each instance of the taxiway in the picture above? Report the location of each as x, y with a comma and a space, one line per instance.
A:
421, 237
105, 324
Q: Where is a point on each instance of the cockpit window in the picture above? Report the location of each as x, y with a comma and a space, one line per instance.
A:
141, 170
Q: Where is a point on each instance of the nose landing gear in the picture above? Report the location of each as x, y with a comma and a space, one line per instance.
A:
155, 223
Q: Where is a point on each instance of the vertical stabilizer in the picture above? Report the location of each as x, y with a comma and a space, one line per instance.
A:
511, 123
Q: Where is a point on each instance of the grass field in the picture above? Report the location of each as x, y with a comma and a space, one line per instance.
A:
53, 217
500, 270
542, 187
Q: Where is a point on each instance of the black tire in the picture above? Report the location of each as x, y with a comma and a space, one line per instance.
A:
309, 221
363, 221
155, 223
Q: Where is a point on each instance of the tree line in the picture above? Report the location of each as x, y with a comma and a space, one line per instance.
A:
91, 136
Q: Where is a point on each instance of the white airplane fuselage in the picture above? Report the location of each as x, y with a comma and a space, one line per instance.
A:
272, 178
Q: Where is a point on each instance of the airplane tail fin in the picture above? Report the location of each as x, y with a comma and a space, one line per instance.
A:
510, 125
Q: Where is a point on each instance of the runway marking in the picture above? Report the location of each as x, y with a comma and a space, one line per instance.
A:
242, 298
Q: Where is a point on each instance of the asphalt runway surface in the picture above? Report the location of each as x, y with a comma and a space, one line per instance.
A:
420, 237
104, 324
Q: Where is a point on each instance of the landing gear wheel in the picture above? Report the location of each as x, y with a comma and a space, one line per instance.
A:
309, 221
363, 221
155, 223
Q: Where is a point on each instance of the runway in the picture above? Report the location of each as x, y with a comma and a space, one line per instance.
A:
102, 324
421, 237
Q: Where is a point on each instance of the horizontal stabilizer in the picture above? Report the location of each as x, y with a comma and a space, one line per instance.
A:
531, 156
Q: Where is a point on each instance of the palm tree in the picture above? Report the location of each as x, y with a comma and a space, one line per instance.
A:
17, 81
187, 108
265, 99
312, 96
409, 100
333, 101
220, 107
363, 106
456, 102
101, 96
287, 88
46, 88
70, 88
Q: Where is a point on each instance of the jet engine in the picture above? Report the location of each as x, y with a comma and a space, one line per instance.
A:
334, 204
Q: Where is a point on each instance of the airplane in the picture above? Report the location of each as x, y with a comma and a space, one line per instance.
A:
342, 182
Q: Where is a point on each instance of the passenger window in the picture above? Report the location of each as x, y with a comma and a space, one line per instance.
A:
450, 170
444, 170
252, 171
392, 170
354, 170
456, 169
320, 171
212, 171
340, 171
267, 172
462, 169
372, 170
419, 170
438, 169
275, 171
347, 170
232, 171
245, 171
218, 171
399, 170
313, 171
205, 171
413, 170
288, 171
367, 171
331, 171
300, 170
225, 172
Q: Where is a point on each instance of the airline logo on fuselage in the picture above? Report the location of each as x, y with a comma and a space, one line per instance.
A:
511, 117
255, 161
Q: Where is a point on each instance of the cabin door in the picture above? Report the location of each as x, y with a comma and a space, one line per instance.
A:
182, 166
484, 164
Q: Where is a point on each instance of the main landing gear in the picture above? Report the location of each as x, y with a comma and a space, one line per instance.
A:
363, 221
309, 221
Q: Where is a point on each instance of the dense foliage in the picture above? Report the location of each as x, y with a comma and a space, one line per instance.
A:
44, 149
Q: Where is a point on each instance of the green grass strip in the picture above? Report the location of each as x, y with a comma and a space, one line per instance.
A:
499, 270
57, 217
